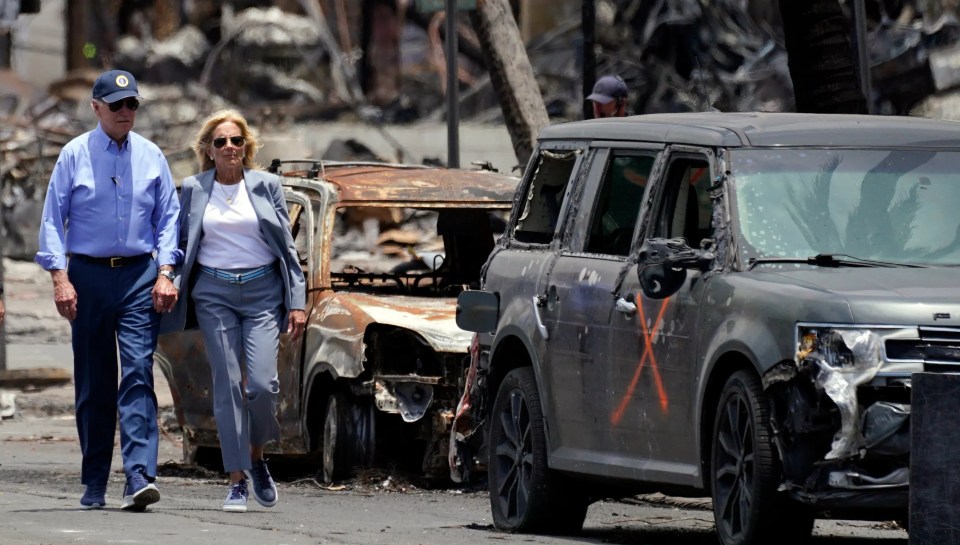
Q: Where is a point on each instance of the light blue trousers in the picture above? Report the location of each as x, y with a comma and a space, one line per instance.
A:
241, 331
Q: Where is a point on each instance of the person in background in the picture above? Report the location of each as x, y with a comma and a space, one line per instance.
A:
609, 97
110, 206
242, 273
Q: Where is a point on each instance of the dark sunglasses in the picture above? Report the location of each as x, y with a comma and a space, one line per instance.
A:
221, 141
131, 103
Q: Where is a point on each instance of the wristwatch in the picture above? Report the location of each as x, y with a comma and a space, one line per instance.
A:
170, 275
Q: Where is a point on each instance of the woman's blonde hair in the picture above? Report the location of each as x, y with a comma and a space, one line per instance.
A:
202, 141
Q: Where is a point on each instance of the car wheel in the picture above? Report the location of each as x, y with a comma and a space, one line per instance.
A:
348, 436
525, 496
745, 473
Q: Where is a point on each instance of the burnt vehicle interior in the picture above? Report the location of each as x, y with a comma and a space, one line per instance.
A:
411, 251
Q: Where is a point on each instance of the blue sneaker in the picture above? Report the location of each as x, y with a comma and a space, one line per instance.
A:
264, 489
236, 501
94, 497
138, 493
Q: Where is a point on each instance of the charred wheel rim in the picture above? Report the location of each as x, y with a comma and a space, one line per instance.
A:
734, 465
514, 457
330, 425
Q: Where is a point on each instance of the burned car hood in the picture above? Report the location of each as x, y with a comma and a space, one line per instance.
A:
899, 295
432, 318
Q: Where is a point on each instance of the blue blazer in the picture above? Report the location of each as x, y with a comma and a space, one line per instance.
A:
266, 195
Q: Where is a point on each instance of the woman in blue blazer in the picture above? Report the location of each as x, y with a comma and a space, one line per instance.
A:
241, 272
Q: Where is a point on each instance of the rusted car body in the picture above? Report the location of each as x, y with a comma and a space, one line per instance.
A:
379, 367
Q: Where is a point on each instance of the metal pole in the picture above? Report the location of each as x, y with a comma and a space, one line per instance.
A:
863, 54
453, 94
3, 297
588, 23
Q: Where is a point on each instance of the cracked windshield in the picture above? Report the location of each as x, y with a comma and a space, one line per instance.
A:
896, 206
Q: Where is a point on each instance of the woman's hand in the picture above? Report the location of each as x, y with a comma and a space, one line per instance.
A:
295, 323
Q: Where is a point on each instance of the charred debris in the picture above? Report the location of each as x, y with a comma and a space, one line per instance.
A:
381, 62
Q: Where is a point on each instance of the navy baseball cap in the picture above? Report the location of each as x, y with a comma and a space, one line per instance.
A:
608, 88
114, 85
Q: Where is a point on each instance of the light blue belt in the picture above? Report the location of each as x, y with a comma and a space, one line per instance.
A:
238, 278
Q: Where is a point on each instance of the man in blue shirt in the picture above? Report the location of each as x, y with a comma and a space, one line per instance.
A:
108, 236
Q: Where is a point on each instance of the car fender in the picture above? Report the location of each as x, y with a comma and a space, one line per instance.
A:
509, 333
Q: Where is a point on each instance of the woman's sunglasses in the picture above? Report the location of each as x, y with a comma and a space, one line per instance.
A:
221, 141
130, 102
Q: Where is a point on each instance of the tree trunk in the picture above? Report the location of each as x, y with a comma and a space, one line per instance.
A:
166, 17
511, 74
77, 26
820, 57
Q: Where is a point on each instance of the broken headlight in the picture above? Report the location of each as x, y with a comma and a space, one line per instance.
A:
838, 348
843, 358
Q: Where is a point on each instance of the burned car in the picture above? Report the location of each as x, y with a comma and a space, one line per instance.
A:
724, 304
385, 250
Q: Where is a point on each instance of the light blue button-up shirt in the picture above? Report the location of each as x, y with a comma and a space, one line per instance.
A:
106, 200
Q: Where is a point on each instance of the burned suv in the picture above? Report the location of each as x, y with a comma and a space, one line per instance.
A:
714, 303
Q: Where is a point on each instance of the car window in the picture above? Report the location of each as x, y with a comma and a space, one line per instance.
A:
887, 205
687, 208
300, 234
543, 197
618, 204
409, 250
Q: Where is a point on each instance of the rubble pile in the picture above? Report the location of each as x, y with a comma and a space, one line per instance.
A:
693, 55
281, 68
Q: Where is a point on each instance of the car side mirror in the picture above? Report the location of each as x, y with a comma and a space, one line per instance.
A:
663, 264
478, 311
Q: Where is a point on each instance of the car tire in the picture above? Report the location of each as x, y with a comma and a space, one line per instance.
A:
348, 436
745, 472
525, 496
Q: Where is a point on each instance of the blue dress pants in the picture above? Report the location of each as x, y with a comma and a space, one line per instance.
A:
115, 309
241, 332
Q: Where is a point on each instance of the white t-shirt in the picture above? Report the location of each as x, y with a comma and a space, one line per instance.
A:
231, 231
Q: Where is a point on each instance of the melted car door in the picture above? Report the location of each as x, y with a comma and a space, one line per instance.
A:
653, 342
290, 356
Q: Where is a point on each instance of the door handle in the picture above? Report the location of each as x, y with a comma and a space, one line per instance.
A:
538, 301
626, 307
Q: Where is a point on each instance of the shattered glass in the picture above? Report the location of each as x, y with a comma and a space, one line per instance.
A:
845, 358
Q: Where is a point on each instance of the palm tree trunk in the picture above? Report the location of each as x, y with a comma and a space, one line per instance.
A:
820, 57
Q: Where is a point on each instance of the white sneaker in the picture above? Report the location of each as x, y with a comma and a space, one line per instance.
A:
236, 501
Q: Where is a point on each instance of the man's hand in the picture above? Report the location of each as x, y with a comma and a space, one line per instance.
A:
295, 323
64, 295
164, 294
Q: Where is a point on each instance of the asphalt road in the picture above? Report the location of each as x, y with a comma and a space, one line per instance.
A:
40, 481
40, 490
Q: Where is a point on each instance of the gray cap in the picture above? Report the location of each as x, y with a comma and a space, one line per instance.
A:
607, 89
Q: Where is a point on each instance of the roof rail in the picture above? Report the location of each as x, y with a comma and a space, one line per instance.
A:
319, 166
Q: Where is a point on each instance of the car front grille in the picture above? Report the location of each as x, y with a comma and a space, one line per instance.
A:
938, 348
